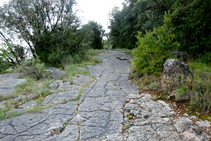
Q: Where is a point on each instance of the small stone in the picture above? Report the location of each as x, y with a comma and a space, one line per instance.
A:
129, 107
203, 123
194, 117
147, 97
55, 128
53, 85
162, 102
28, 105
186, 115
182, 124
134, 96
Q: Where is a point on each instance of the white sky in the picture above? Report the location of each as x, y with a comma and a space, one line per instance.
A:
96, 10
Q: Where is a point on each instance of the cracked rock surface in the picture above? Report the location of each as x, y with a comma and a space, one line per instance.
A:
109, 108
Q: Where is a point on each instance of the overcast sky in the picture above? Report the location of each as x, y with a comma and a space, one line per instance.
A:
96, 10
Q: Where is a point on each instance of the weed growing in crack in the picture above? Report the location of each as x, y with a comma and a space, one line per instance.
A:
126, 126
155, 97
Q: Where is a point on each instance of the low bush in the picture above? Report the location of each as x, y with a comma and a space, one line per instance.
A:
154, 48
33, 68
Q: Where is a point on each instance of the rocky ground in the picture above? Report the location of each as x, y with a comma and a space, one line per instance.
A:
104, 107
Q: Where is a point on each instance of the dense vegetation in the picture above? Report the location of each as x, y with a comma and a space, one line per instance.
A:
190, 18
51, 30
154, 47
156, 28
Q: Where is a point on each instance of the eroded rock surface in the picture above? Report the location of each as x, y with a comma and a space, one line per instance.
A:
109, 108
9, 85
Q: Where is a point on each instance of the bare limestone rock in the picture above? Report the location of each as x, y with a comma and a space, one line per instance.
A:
10, 85
175, 73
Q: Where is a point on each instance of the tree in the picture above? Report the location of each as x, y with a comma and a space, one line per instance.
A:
94, 35
136, 15
191, 19
50, 28
154, 48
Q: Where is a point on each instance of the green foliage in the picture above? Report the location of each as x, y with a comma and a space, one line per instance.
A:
154, 48
50, 29
2, 113
3, 65
191, 19
154, 85
136, 15
33, 68
10, 55
94, 35
72, 69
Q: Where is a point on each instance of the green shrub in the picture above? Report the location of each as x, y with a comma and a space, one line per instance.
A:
33, 68
199, 87
154, 48
3, 65
191, 19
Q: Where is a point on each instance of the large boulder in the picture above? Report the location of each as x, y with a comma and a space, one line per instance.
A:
175, 74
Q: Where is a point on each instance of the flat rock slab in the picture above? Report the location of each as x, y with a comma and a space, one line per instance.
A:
110, 108
37, 126
9, 86
9, 76
81, 80
61, 97
55, 73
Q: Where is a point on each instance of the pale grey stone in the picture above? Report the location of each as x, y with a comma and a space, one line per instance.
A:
147, 97
87, 132
162, 102
99, 113
53, 85
32, 96
68, 87
12, 111
134, 96
28, 105
142, 133
129, 107
81, 80
70, 133
166, 132
186, 115
61, 97
9, 76
190, 135
55, 128
26, 121
158, 112
10, 85
182, 124
62, 109
7, 130
167, 110
203, 123
55, 73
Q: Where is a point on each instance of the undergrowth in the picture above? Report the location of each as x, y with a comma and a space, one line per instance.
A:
38, 86
199, 87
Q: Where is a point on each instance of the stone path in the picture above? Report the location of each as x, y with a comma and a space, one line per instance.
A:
110, 108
